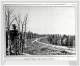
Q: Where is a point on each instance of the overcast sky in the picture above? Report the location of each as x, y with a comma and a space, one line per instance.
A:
52, 20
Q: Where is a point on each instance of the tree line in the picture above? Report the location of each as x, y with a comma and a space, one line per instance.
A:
62, 40
54, 39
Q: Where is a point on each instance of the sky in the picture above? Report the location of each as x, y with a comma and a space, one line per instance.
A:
48, 19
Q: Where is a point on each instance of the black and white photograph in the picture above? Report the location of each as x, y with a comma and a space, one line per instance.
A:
39, 30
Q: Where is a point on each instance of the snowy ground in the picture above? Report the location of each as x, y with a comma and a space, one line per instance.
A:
35, 47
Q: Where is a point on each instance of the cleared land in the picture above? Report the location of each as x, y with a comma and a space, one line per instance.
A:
40, 46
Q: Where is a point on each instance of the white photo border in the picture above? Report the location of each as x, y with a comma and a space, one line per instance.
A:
40, 57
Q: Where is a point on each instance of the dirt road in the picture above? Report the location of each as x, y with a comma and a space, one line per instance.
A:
41, 45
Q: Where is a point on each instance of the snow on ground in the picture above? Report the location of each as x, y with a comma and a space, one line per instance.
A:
34, 47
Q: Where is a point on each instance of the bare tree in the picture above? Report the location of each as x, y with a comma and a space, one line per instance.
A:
18, 20
26, 22
22, 25
9, 18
